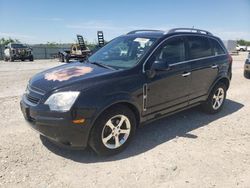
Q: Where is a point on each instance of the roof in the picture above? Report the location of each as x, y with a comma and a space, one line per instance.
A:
160, 33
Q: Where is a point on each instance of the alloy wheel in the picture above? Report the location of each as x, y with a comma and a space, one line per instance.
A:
218, 98
116, 131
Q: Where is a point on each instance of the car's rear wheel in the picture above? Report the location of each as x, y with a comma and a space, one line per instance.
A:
113, 130
216, 99
246, 74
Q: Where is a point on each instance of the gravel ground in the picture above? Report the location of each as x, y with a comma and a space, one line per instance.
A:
188, 149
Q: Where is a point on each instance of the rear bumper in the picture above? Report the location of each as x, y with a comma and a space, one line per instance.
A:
56, 126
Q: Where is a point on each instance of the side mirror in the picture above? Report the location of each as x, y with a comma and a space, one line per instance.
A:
160, 66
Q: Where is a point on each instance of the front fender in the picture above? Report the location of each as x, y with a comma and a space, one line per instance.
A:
113, 100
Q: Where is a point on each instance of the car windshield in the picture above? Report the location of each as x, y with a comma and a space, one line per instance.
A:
123, 52
18, 46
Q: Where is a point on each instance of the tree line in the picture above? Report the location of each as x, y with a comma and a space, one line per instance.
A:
243, 42
5, 41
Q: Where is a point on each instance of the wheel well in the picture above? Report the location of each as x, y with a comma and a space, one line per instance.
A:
131, 107
224, 81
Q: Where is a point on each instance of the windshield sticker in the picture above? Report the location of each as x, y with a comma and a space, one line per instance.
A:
67, 73
141, 40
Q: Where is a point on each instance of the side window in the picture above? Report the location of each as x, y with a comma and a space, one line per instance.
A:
172, 51
199, 47
218, 50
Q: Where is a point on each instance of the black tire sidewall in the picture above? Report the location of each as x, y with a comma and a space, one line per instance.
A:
247, 74
96, 134
31, 58
208, 105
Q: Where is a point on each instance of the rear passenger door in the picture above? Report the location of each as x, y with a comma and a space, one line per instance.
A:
204, 69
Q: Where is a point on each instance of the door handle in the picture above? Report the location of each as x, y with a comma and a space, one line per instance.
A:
185, 74
214, 66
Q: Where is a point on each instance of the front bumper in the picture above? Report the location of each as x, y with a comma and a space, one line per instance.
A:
22, 56
55, 125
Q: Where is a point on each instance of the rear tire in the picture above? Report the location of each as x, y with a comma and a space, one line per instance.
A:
247, 74
113, 130
216, 99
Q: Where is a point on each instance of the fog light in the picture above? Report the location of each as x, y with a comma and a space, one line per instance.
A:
78, 121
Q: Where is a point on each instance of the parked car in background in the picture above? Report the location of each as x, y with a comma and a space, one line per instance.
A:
17, 51
231, 46
247, 67
135, 78
248, 48
241, 48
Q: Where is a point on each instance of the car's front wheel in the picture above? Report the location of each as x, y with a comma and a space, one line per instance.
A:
31, 58
113, 130
216, 99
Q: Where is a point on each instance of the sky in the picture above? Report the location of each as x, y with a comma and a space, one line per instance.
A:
42, 21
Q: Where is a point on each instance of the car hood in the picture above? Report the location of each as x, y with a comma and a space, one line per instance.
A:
68, 74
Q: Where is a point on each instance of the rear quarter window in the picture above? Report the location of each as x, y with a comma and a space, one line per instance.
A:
199, 47
218, 50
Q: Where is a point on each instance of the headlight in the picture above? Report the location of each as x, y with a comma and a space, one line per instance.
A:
62, 101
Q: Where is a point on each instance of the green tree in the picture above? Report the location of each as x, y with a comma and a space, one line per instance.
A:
243, 42
52, 44
5, 41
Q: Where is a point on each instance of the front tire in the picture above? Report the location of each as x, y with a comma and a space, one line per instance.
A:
61, 58
31, 58
216, 99
66, 59
113, 130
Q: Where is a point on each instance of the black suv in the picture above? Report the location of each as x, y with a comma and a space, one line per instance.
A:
137, 77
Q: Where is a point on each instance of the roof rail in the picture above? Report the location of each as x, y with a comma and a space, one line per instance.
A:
190, 30
143, 30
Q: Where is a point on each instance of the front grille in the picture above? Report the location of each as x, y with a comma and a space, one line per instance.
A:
34, 95
32, 99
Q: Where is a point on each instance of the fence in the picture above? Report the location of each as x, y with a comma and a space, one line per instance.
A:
39, 52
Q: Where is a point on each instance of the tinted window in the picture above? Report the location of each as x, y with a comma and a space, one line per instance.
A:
199, 47
18, 46
218, 50
172, 51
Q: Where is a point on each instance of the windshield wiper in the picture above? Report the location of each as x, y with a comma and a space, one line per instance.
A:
103, 65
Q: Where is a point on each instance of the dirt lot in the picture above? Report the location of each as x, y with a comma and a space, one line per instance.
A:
189, 149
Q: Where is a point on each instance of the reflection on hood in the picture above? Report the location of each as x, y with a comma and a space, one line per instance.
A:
67, 73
